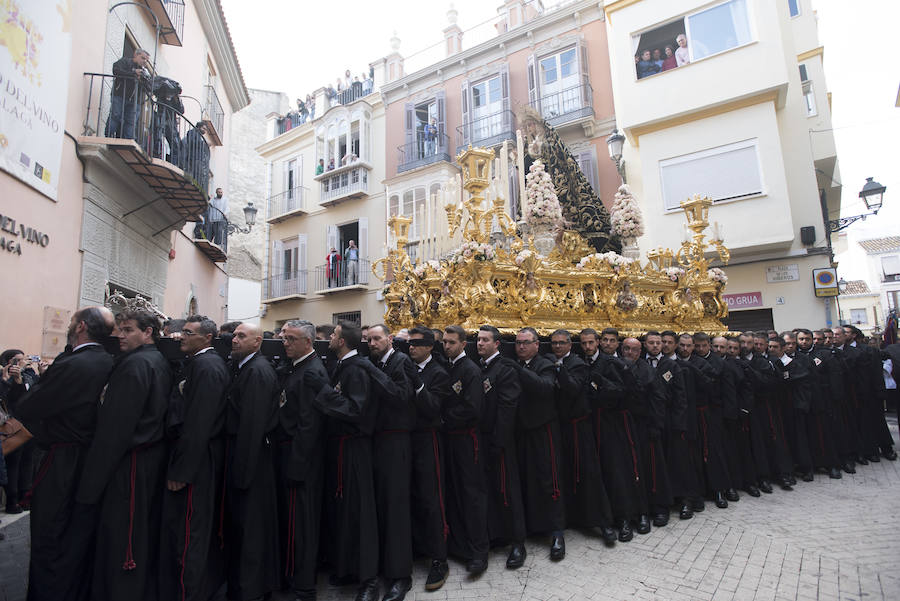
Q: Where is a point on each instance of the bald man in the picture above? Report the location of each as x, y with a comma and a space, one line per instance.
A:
251, 508
61, 411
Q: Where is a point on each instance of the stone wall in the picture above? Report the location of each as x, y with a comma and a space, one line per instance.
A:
247, 252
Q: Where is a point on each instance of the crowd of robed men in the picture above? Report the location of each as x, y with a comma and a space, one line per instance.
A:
162, 483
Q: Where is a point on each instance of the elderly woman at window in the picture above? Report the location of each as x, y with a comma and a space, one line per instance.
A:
681, 53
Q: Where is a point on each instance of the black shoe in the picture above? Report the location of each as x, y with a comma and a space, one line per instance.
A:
848, 467
890, 454
368, 590
643, 524
516, 557
874, 458
398, 589
732, 495
720, 500
558, 547
792, 480
697, 505
765, 486
13, 509
686, 512
305, 594
784, 483
437, 575
752, 491
807, 477
661, 519
476, 566
861, 460
609, 535
834, 473
625, 531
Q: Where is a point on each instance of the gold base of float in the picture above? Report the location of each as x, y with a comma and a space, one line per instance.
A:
511, 286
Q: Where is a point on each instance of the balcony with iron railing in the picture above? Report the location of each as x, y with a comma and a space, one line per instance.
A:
214, 116
211, 235
344, 182
423, 151
170, 14
287, 204
489, 130
285, 286
345, 275
571, 105
154, 140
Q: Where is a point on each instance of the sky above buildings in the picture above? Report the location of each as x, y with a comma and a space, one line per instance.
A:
297, 47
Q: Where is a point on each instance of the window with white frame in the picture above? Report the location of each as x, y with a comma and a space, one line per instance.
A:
890, 266
722, 173
794, 7
809, 99
692, 37
858, 316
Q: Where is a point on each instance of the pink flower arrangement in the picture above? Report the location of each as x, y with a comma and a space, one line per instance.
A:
525, 255
674, 273
717, 275
614, 260
541, 204
472, 250
626, 220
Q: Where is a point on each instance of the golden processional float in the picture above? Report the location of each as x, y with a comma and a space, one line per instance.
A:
513, 275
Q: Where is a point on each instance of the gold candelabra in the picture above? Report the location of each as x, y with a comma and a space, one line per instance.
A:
692, 254
479, 219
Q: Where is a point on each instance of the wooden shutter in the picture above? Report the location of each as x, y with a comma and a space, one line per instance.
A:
301, 266
466, 126
439, 101
277, 258
533, 83
363, 242
504, 93
586, 163
331, 239
582, 56
409, 122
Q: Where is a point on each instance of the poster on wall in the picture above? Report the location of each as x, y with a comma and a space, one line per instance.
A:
35, 44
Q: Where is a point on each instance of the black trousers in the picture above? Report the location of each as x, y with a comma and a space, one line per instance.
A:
19, 468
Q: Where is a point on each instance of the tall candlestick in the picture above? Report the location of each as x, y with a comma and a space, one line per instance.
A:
520, 165
715, 230
504, 169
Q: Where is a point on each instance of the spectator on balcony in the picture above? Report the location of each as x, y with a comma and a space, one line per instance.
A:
320, 168
368, 84
218, 209
351, 261
431, 132
195, 156
169, 108
129, 89
303, 110
348, 158
357, 88
333, 268
657, 58
347, 80
681, 53
669, 62
311, 105
330, 164
339, 85
646, 66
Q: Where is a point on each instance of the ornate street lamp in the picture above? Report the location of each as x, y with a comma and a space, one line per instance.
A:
249, 217
615, 142
872, 194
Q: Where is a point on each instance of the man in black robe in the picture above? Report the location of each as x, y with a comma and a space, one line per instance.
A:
801, 403
301, 459
613, 400
824, 429
848, 357
467, 496
878, 439
737, 418
190, 562
539, 441
793, 392
650, 422
61, 412
350, 404
251, 504
393, 462
124, 471
587, 505
506, 512
429, 516
773, 459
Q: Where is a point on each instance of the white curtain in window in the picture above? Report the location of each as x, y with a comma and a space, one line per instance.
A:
721, 173
891, 265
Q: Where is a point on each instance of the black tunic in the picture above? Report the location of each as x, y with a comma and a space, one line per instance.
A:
506, 511
680, 465
771, 454
795, 392
824, 429
124, 476
301, 461
61, 412
191, 564
587, 504
650, 422
251, 506
710, 400
741, 466
467, 497
429, 515
848, 357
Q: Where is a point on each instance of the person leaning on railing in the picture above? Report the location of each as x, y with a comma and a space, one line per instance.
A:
130, 74
195, 158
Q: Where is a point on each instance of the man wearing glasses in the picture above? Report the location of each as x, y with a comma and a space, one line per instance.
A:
539, 442
195, 468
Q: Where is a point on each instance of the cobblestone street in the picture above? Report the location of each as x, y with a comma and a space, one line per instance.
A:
826, 540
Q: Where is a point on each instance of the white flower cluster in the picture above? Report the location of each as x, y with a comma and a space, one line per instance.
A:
614, 260
717, 275
626, 220
526, 254
541, 204
472, 250
674, 273
419, 269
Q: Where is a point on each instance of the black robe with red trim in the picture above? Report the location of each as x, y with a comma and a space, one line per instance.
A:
650, 420
124, 476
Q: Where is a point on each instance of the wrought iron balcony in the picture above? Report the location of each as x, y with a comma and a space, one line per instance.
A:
287, 204
572, 104
171, 20
345, 276
288, 122
154, 139
423, 152
357, 90
214, 115
489, 130
344, 182
285, 286
211, 235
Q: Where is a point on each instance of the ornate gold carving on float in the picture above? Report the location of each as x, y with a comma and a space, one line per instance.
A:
510, 285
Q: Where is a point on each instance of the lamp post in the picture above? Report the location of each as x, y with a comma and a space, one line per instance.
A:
615, 142
249, 216
872, 194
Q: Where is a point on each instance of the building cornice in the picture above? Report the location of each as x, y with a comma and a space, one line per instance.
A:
503, 40
212, 19
805, 56
616, 5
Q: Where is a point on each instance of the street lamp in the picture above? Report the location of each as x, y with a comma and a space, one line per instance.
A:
249, 217
615, 142
872, 194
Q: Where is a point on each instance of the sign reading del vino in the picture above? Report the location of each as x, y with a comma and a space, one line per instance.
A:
745, 300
